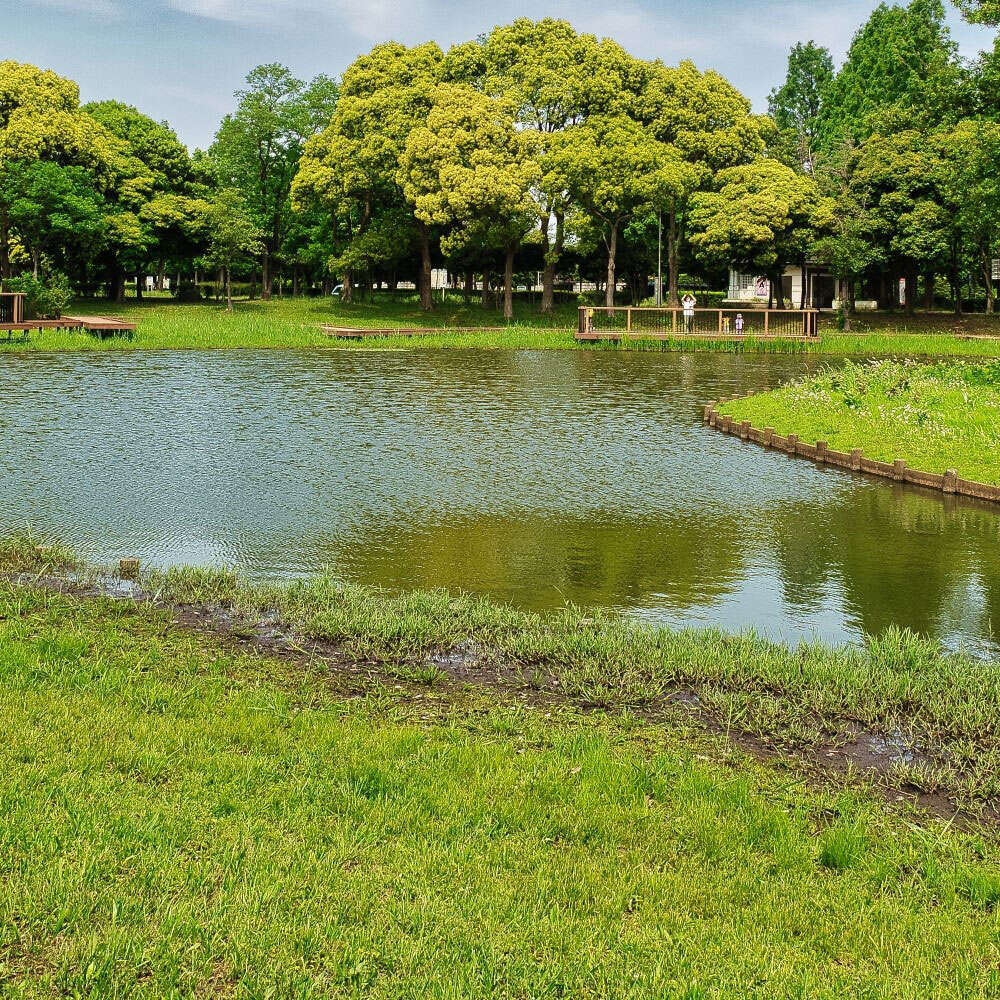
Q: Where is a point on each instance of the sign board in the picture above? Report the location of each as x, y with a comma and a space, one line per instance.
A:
902, 291
996, 269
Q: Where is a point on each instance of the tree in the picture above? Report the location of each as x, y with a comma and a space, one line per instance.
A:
470, 163
899, 178
762, 216
554, 77
164, 212
707, 126
258, 147
232, 235
902, 57
352, 167
612, 166
970, 182
41, 120
796, 105
980, 11
52, 207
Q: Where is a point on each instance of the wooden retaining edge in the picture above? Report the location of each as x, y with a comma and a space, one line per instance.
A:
854, 461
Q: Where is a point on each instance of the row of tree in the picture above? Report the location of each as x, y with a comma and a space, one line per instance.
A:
533, 148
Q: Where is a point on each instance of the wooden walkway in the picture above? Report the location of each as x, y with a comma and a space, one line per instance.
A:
353, 333
12, 321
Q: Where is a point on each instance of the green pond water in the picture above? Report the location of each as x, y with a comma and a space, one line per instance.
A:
536, 477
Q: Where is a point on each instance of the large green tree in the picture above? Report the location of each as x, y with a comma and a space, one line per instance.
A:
41, 121
762, 216
703, 125
614, 167
352, 167
468, 163
981, 11
903, 58
554, 77
258, 147
797, 104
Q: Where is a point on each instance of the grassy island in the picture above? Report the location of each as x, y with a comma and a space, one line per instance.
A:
936, 416
214, 789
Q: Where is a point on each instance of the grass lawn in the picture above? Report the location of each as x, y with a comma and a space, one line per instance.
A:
937, 416
295, 323
182, 816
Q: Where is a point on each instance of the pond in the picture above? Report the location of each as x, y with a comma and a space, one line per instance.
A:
535, 477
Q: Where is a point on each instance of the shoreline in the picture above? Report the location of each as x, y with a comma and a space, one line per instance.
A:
830, 710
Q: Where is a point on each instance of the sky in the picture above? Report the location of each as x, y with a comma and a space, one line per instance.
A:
181, 60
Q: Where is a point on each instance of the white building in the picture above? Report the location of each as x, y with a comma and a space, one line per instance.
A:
822, 290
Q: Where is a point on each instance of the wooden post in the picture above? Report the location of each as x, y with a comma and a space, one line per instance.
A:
720, 322
628, 320
899, 470
856, 459
767, 321
821, 447
673, 320
950, 481
768, 436
792, 441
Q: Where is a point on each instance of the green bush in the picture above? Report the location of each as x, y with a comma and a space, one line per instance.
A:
43, 299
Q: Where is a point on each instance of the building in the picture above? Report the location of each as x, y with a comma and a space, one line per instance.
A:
821, 290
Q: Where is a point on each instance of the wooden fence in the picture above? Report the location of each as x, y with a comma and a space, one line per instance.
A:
651, 323
11, 308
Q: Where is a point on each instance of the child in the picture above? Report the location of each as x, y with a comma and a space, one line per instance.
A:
739, 323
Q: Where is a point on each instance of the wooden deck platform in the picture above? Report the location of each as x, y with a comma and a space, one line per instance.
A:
101, 326
353, 333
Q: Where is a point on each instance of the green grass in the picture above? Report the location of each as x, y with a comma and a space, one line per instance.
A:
295, 323
178, 820
936, 416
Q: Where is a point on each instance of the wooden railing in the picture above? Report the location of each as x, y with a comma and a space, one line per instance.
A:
11, 308
604, 323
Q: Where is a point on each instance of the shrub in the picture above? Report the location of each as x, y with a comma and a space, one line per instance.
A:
43, 299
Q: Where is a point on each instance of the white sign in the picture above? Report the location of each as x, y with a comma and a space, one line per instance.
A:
902, 291
996, 270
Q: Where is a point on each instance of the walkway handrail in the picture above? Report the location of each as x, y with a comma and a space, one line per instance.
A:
641, 319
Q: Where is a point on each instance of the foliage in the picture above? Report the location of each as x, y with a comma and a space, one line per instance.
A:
232, 234
796, 106
44, 298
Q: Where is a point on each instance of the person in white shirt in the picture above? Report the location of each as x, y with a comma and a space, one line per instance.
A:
689, 302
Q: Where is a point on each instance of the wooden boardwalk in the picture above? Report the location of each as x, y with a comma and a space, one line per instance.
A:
354, 333
12, 321
666, 323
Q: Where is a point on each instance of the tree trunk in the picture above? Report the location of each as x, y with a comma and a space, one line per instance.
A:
956, 270
426, 295
138, 287
552, 257
119, 285
265, 276
4, 244
804, 286
161, 273
848, 306
673, 261
295, 281
779, 289
930, 279
470, 284
988, 282
911, 290
486, 289
347, 291
609, 294
36, 262
508, 285
229, 290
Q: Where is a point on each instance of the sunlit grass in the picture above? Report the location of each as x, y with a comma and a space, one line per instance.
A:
181, 820
297, 323
935, 416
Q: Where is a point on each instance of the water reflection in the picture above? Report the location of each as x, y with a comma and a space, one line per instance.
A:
539, 477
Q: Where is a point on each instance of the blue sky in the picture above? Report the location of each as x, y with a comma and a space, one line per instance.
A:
181, 60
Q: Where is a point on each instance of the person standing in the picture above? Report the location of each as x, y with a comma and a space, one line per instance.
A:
689, 302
